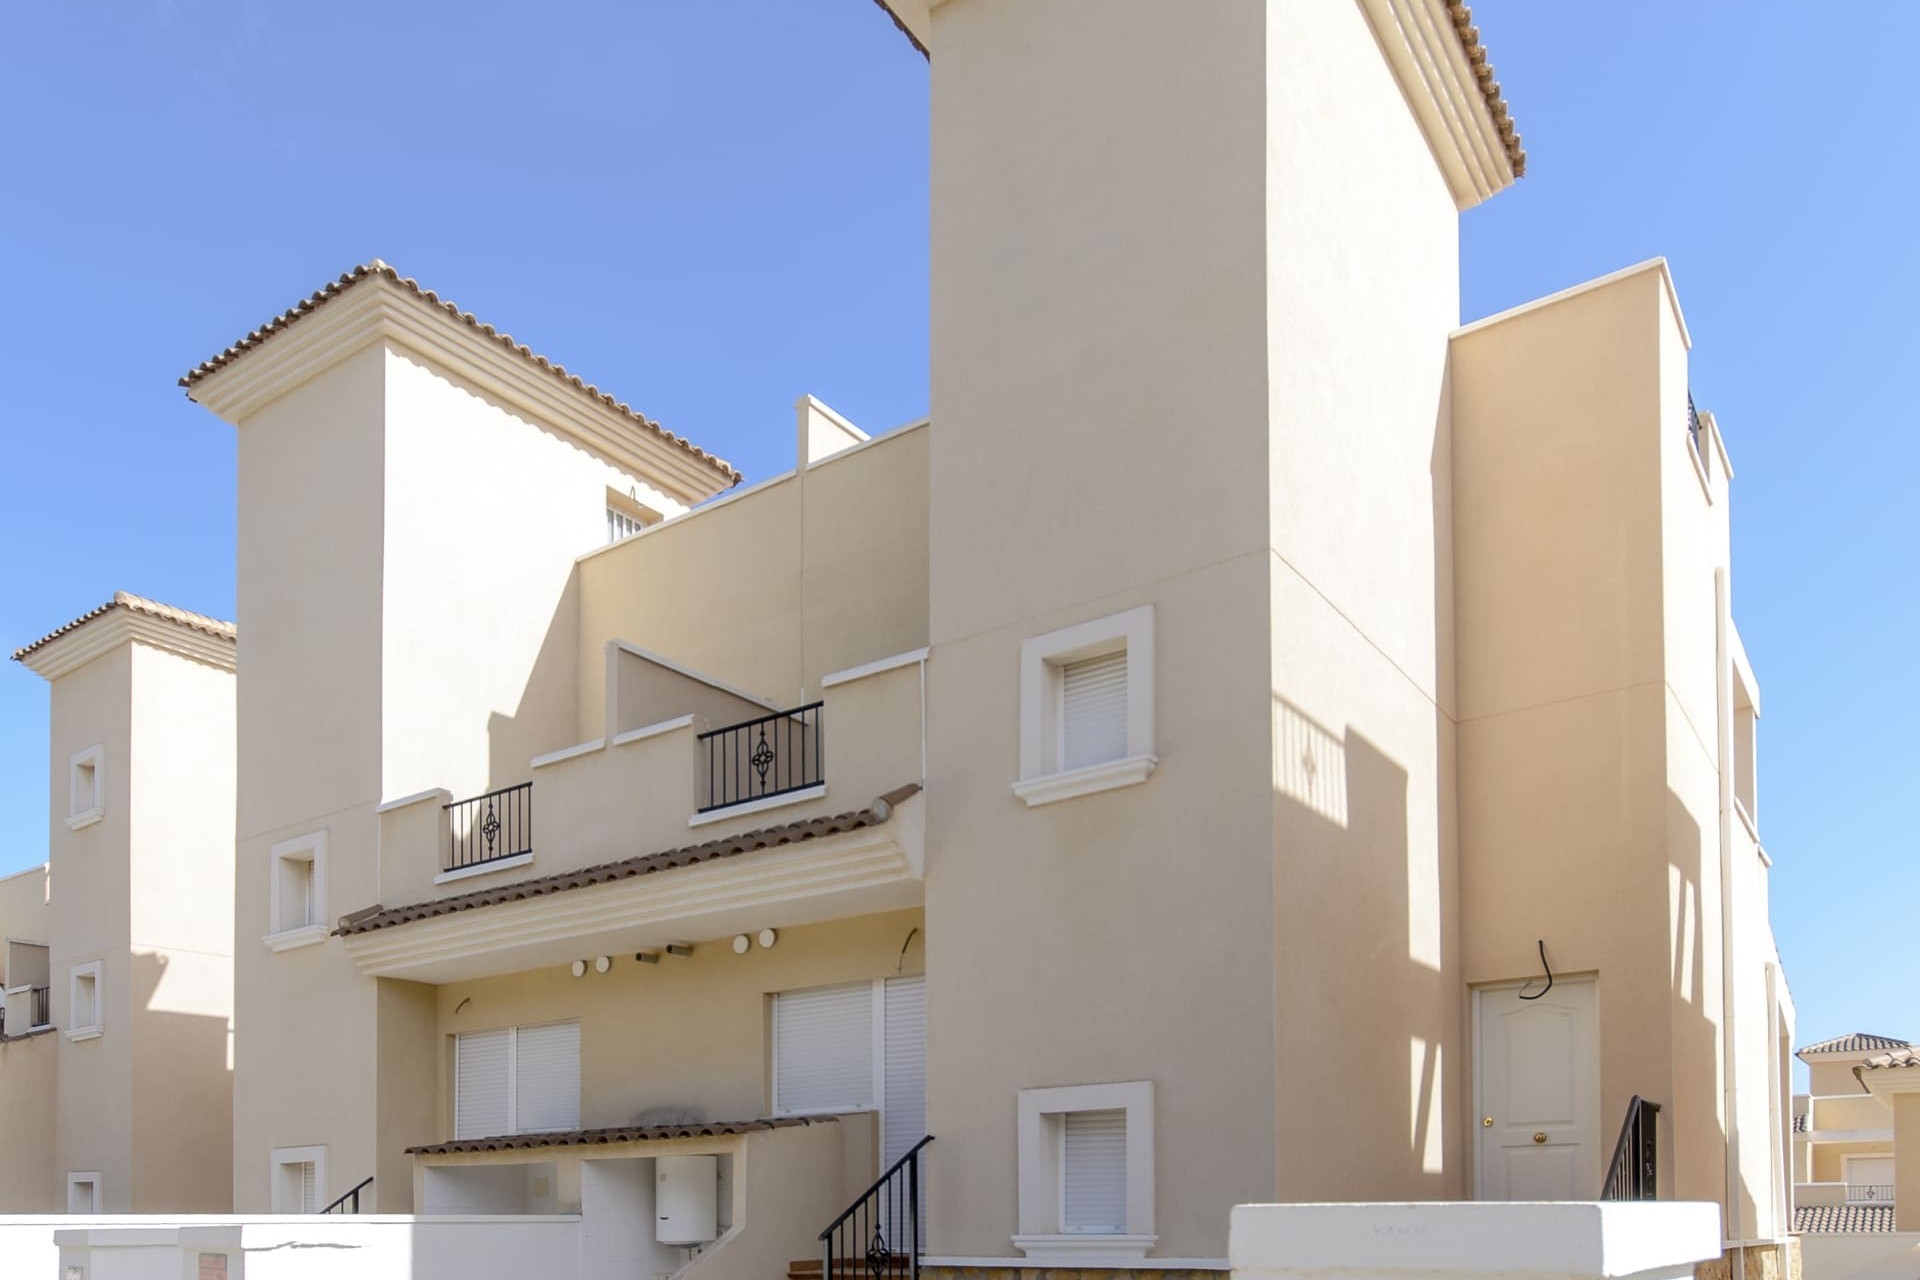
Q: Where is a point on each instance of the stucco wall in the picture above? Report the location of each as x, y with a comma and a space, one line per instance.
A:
29, 1182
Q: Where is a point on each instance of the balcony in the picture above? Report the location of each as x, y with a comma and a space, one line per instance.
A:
1869, 1193
27, 1009
754, 825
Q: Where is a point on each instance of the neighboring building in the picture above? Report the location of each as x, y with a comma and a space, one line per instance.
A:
1261, 741
1844, 1158
116, 1064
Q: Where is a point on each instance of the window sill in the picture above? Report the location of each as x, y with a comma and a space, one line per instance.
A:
87, 819
1052, 787
85, 1033
1084, 1250
1746, 820
289, 939
481, 869
758, 806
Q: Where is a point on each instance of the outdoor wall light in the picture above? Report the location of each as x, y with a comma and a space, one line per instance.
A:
742, 944
579, 968
768, 937
602, 963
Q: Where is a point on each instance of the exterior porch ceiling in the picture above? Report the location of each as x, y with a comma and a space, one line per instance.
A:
862, 871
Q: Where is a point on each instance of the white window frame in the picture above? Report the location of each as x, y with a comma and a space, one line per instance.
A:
513, 1074
90, 765
1043, 659
91, 1030
876, 1080
311, 847
628, 514
283, 1156
1040, 1135
90, 1179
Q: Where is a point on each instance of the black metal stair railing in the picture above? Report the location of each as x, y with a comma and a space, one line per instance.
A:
488, 828
350, 1202
1633, 1172
769, 756
878, 1235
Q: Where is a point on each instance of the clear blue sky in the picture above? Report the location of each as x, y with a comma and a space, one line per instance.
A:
712, 208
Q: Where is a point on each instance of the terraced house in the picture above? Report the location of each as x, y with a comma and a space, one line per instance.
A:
1846, 1162
1261, 740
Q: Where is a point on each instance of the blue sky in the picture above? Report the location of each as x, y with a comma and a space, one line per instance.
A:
709, 209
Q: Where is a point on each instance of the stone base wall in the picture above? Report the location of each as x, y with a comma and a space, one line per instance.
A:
1762, 1262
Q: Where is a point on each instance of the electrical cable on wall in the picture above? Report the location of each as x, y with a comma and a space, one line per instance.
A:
1544, 965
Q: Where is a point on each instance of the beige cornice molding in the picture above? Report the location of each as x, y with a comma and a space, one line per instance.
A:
107, 632
1431, 63
378, 310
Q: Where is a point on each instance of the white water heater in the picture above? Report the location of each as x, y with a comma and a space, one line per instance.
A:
686, 1200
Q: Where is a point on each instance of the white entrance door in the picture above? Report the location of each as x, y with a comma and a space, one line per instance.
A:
1538, 1086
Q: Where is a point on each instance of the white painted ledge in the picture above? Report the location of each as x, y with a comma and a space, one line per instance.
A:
759, 806
873, 668
434, 793
1645, 1240
567, 753
1053, 787
85, 1033
484, 868
1142, 1264
646, 731
87, 819
1084, 1249
290, 939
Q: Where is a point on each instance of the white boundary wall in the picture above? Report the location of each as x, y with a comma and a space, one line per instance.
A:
365, 1247
1644, 1240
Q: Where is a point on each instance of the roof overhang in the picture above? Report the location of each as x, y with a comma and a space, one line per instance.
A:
129, 619
375, 303
832, 877
1888, 1075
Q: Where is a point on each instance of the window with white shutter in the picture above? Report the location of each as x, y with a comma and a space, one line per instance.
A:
299, 1179
1093, 1172
480, 1092
546, 1089
517, 1080
823, 1049
1093, 710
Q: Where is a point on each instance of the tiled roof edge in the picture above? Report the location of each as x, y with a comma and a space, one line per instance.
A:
214, 627
617, 1134
905, 30
367, 270
369, 919
1489, 87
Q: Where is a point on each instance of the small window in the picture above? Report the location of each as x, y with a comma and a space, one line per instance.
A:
86, 787
1093, 710
298, 907
1086, 708
517, 1080
1093, 1172
83, 1193
627, 516
83, 1001
299, 1179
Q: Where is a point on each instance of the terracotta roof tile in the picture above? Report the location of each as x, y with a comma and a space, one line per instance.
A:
139, 604
607, 1137
377, 917
1800, 1124
1824, 1219
1898, 1060
1858, 1042
1489, 87
367, 270
912, 39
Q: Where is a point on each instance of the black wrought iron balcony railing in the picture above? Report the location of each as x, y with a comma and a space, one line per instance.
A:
31, 1009
1869, 1193
1693, 428
489, 828
758, 759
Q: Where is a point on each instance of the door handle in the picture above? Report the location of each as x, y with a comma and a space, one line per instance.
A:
1486, 1122
1539, 1137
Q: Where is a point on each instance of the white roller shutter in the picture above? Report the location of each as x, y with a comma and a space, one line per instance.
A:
823, 1049
481, 1091
546, 1089
309, 1188
1094, 1172
1093, 711
905, 1029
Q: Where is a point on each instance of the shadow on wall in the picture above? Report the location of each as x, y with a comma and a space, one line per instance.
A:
1349, 946
183, 1093
547, 717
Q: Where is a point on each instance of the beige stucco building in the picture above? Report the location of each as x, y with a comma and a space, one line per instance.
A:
116, 1063
1260, 741
1847, 1168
